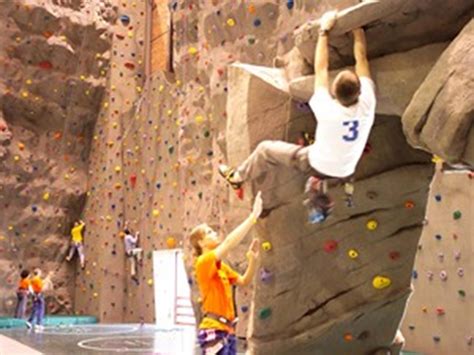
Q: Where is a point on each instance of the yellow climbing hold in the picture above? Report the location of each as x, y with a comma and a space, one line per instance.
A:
95, 295
192, 50
199, 119
16, 158
381, 282
24, 94
156, 213
267, 246
372, 225
230, 22
353, 254
150, 282
118, 169
46, 196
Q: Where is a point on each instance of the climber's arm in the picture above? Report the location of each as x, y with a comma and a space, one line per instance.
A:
321, 55
252, 256
238, 234
360, 53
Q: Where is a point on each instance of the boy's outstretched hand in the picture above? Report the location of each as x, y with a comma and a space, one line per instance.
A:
254, 249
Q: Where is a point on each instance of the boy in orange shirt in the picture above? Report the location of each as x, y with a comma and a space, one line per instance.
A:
37, 285
215, 280
22, 294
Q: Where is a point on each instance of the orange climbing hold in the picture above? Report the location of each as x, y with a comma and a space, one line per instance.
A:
171, 243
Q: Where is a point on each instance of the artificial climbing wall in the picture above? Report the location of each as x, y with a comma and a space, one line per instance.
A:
439, 316
156, 146
53, 62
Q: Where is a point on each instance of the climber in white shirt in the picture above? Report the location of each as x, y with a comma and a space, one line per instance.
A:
344, 113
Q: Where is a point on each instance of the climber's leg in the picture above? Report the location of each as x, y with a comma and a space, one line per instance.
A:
72, 250
265, 157
80, 251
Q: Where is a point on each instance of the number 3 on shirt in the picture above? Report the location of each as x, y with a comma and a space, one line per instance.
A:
353, 131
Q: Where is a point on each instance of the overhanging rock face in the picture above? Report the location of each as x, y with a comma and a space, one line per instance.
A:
393, 26
440, 116
321, 300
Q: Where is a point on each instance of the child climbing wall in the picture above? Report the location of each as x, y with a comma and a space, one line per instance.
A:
439, 315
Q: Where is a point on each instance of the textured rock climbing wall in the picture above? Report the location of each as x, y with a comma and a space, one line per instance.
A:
53, 57
439, 316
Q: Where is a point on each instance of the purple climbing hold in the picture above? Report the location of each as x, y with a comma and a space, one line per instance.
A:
265, 275
257, 22
438, 198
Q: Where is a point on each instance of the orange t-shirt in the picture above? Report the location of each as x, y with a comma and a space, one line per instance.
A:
215, 280
24, 284
37, 284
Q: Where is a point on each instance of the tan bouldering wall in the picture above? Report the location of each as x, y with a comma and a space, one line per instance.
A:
53, 60
439, 316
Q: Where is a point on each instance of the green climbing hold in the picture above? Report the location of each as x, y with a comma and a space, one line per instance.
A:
457, 214
265, 313
462, 293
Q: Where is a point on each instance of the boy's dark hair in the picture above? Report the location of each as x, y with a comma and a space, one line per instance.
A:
347, 88
126, 231
24, 273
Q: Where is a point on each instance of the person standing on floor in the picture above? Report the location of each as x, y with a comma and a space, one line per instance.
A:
37, 286
215, 280
22, 294
77, 243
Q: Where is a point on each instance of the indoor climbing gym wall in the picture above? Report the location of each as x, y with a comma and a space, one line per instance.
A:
439, 316
53, 60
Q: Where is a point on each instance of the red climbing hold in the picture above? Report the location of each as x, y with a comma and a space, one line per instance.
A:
394, 255
45, 64
133, 180
129, 65
240, 193
330, 246
440, 311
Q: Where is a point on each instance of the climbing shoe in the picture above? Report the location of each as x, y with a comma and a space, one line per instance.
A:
228, 174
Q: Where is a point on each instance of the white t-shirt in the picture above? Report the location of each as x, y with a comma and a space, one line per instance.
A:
342, 132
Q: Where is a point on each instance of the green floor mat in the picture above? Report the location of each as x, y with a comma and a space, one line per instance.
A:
7, 322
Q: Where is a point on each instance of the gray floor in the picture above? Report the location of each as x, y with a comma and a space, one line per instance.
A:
107, 339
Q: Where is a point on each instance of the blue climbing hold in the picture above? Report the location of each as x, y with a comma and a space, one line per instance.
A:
438, 198
125, 20
290, 4
415, 274
257, 22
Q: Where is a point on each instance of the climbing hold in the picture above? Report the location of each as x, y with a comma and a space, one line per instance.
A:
443, 275
118, 169
457, 214
457, 255
251, 9
409, 204
411, 327
330, 246
257, 22
125, 20
264, 313
372, 224
133, 180
290, 4
430, 275
460, 272
267, 246
156, 212
230, 22
353, 254
45, 64
424, 309
438, 237
240, 193
265, 275
171, 243
129, 65
46, 196
192, 50
381, 282
414, 274
244, 309
462, 293
394, 255
469, 340
150, 282
348, 337
441, 257
34, 208
436, 338
440, 311
438, 198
